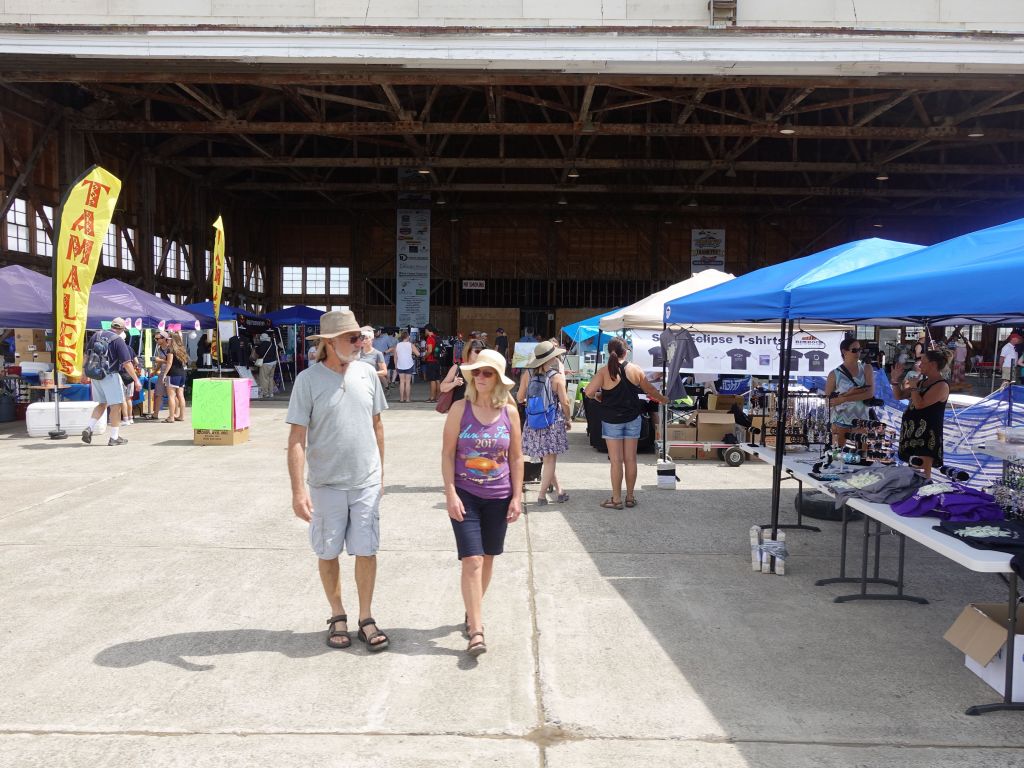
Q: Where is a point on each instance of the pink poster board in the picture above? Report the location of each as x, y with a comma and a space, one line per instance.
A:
240, 402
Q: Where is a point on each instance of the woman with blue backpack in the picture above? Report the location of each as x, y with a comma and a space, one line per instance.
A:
548, 415
617, 387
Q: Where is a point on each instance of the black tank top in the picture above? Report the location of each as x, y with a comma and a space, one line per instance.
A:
620, 404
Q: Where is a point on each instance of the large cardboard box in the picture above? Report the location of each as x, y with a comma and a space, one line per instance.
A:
220, 436
683, 435
712, 427
980, 632
724, 402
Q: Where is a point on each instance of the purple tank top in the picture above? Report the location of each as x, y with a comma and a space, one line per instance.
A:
481, 456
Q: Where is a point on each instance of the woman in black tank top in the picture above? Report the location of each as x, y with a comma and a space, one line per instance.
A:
921, 428
617, 387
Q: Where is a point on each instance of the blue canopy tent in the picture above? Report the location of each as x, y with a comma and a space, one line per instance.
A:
227, 312
971, 279
297, 315
583, 330
764, 295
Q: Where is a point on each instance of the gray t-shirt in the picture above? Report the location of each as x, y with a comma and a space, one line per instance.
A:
375, 359
338, 411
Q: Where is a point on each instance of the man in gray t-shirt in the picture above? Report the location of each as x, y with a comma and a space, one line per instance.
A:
336, 430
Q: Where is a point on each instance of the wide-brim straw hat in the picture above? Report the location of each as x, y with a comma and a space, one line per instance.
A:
488, 358
543, 353
335, 323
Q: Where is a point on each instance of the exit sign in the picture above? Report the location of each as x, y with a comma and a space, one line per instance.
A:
474, 285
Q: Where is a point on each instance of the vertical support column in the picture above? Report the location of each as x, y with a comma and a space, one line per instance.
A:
147, 227
357, 298
201, 224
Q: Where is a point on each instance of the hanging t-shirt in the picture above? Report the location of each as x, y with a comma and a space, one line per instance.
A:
738, 358
680, 351
794, 359
816, 360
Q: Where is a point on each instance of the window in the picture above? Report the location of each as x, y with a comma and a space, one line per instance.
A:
184, 270
110, 247
252, 277
158, 251
339, 281
127, 238
171, 263
316, 280
291, 280
227, 272
208, 263
17, 226
44, 246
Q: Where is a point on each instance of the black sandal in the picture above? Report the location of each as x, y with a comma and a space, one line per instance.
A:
346, 639
477, 648
370, 645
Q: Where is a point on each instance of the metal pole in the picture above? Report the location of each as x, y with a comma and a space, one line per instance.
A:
664, 391
780, 430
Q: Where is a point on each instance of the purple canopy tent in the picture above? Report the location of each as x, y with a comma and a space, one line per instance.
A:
26, 301
136, 303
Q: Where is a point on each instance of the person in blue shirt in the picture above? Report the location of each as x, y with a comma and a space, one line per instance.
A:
108, 390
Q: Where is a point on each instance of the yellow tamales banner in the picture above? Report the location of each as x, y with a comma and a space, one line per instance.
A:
218, 282
85, 215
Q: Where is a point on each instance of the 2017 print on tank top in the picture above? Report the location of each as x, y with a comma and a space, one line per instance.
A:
481, 461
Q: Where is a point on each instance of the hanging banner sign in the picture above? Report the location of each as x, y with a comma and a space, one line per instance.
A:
218, 282
83, 220
474, 285
412, 268
707, 250
814, 354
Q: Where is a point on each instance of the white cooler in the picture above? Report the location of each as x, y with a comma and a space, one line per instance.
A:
40, 418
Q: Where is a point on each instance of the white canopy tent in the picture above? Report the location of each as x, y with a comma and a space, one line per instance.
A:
649, 313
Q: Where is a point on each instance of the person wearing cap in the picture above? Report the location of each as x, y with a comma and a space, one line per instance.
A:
551, 441
108, 390
266, 360
1008, 357
617, 387
337, 441
482, 470
156, 384
373, 356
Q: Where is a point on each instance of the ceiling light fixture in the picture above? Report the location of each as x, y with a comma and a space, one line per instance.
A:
882, 175
558, 219
562, 200
442, 200
975, 131
878, 225
573, 173
692, 203
423, 170
454, 219
787, 128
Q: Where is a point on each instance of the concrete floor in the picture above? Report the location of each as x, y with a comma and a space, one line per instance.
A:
160, 607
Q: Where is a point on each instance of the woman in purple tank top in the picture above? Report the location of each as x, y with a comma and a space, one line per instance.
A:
482, 467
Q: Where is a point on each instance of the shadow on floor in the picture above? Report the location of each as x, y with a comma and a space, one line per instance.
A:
172, 649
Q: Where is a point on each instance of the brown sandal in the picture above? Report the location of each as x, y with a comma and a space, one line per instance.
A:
335, 639
630, 503
478, 647
611, 504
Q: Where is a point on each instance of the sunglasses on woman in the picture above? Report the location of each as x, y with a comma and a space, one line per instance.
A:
854, 350
485, 372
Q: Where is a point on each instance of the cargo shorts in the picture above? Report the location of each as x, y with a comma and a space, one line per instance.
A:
345, 520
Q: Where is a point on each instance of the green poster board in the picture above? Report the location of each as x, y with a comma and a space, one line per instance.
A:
211, 404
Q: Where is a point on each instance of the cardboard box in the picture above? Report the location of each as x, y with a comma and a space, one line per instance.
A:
980, 632
220, 436
724, 402
682, 434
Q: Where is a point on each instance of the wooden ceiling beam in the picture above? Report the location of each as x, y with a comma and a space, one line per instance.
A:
629, 189
43, 69
396, 128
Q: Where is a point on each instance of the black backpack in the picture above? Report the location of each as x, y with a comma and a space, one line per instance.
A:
97, 361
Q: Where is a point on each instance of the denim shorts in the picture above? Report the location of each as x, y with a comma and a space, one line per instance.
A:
407, 371
628, 431
483, 526
175, 382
